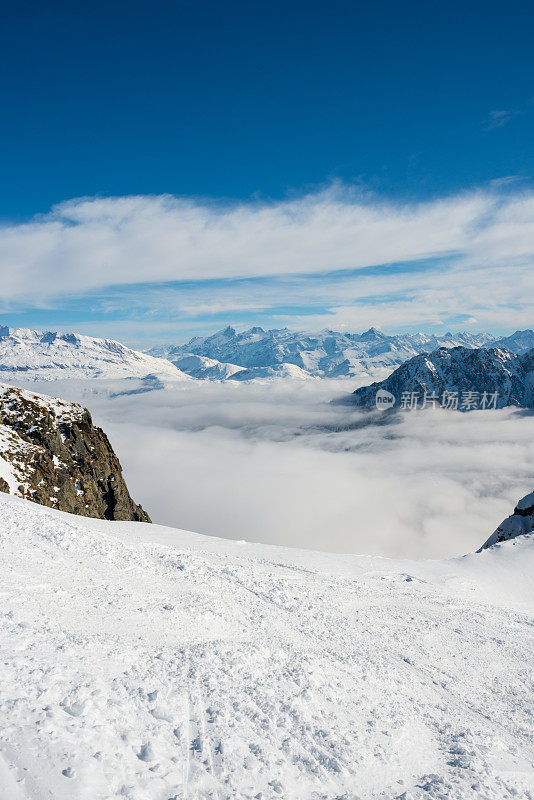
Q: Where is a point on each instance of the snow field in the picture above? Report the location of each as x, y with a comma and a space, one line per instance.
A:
146, 663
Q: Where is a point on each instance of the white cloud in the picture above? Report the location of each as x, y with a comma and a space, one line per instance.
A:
330, 259
490, 297
91, 243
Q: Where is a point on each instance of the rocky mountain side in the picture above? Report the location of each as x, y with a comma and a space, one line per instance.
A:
52, 454
517, 524
458, 378
326, 354
47, 355
519, 342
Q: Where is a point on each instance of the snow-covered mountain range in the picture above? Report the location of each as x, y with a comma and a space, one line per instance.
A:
255, 354
145, 662
458, 378
327, 354
48, 355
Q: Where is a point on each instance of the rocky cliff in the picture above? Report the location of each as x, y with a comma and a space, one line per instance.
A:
517, 524
51, 453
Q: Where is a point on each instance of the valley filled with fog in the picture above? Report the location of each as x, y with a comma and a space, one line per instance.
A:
279, 463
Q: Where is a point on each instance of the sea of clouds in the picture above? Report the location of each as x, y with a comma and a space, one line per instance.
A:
280, 463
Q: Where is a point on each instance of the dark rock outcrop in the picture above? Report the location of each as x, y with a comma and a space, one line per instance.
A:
52, 454
519, 523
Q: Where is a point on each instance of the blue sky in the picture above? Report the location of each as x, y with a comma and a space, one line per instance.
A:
248, 111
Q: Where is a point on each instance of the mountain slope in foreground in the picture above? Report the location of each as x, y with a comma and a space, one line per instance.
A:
144, 662
46, 356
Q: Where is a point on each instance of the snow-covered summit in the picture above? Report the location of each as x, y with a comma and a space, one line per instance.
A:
145, 662
330, 354
276, 371
48, 355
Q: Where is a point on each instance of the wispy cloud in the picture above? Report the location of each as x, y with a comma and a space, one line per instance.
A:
498, 118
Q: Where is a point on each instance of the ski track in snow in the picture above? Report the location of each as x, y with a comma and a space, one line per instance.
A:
144, 663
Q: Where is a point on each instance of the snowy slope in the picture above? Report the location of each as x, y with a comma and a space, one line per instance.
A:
468, 373
205, 368
37, 355
147, 663
288, 371
328, 353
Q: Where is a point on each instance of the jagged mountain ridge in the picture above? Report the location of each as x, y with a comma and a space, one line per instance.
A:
467, 374
48, 355
519, 342
328, 353
52, 454
255, 354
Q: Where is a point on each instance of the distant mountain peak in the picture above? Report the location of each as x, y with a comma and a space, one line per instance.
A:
48, 355
373, 332
519, 342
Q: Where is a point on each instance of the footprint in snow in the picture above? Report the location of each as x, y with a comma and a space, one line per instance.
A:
73, 709
146, 753
68, 772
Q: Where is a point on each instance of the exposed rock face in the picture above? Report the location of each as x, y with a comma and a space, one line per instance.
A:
51, 453
480, 378
519, 523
